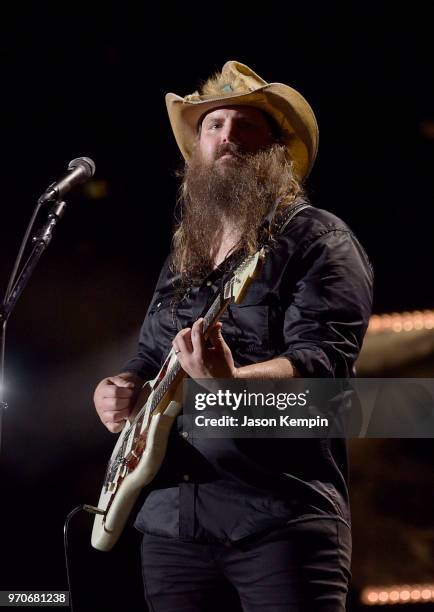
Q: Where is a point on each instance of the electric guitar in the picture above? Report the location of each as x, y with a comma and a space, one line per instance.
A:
141, 446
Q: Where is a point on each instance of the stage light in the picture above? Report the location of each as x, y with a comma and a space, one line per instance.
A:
399, 322
404, 594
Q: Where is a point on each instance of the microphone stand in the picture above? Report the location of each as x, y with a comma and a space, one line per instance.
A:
40, 242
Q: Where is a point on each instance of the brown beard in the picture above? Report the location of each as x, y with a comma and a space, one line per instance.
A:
240, 190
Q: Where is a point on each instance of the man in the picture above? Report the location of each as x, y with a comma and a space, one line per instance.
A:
269, 516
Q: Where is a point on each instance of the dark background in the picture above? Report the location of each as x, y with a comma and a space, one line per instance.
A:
81, 79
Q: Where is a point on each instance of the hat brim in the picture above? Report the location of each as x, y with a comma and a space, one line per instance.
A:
289, 109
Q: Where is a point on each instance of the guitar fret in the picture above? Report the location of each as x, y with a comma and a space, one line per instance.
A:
210, 315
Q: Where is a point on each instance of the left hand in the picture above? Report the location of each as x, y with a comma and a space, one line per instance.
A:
198, 359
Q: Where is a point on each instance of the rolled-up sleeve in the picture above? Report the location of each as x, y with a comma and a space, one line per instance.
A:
329, 307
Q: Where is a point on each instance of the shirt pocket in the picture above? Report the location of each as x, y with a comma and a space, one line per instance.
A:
246, 330
162, 315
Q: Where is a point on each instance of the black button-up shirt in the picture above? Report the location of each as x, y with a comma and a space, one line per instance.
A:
311, 304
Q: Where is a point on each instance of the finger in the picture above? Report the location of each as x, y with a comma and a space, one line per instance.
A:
115, 427
121, 392
119, 381
112, 404
215, 336
184, 332
183, 341
115, 417
197, 338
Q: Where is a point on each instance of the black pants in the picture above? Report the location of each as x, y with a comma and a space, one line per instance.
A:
304, 567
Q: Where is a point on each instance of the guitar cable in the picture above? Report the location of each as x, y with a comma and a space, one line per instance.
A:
85, 508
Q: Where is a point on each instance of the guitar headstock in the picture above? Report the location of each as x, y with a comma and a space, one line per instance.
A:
243, 275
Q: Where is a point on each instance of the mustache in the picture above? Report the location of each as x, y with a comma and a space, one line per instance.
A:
231, 148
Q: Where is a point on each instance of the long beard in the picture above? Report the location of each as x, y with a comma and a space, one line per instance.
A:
236, 194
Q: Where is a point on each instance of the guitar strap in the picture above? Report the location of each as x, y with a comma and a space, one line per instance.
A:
270, 229
292, 212
267, 237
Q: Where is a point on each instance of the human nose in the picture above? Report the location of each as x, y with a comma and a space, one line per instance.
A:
229, 133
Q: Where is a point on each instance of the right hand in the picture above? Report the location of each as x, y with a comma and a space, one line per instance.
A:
114, 399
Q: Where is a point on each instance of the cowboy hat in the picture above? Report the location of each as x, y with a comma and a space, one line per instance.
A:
238, 85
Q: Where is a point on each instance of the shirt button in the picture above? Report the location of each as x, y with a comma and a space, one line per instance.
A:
184, 434
186, 477
208, 283
159, 304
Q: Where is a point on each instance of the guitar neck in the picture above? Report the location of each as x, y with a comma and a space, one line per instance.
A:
233, 290
168, 374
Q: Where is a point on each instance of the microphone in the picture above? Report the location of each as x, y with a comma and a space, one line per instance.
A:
80, 170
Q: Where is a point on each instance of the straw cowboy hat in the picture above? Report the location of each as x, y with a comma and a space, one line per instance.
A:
238, 85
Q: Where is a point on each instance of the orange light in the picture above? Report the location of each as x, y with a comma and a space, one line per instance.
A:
399, 322
394, 596
404, 594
